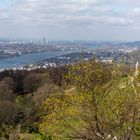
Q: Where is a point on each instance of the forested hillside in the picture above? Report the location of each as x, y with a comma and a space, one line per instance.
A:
83, 101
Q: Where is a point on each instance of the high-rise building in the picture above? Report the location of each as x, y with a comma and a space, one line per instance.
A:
45, 41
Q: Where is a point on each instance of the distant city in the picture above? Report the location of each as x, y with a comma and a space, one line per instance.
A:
68, 52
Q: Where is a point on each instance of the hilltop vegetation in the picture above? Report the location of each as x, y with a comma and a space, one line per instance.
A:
85, 101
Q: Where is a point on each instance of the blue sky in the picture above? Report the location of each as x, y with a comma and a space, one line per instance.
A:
5, 3
70, 19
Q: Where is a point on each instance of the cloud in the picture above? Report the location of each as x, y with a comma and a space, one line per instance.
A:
46, 16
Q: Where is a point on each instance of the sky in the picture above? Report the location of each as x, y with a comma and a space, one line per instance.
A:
70, 19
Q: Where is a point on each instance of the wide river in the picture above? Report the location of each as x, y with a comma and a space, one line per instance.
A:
28, 59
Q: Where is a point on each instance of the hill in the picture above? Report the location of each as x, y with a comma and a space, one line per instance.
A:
88, 100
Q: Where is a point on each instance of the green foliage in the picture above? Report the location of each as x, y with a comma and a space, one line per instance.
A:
85, 76
5, 130
93, 101
100, 107
20, 101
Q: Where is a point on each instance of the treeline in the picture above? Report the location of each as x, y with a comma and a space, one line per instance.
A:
20, 98
86, 101
19, 79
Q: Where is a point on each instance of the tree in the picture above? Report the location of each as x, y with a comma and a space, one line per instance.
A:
8, 111
10, 83
98, 108
32, 82
7, 88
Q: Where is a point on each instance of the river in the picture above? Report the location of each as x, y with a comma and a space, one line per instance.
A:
28, 59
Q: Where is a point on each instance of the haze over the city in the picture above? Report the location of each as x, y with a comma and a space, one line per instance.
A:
70, 19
